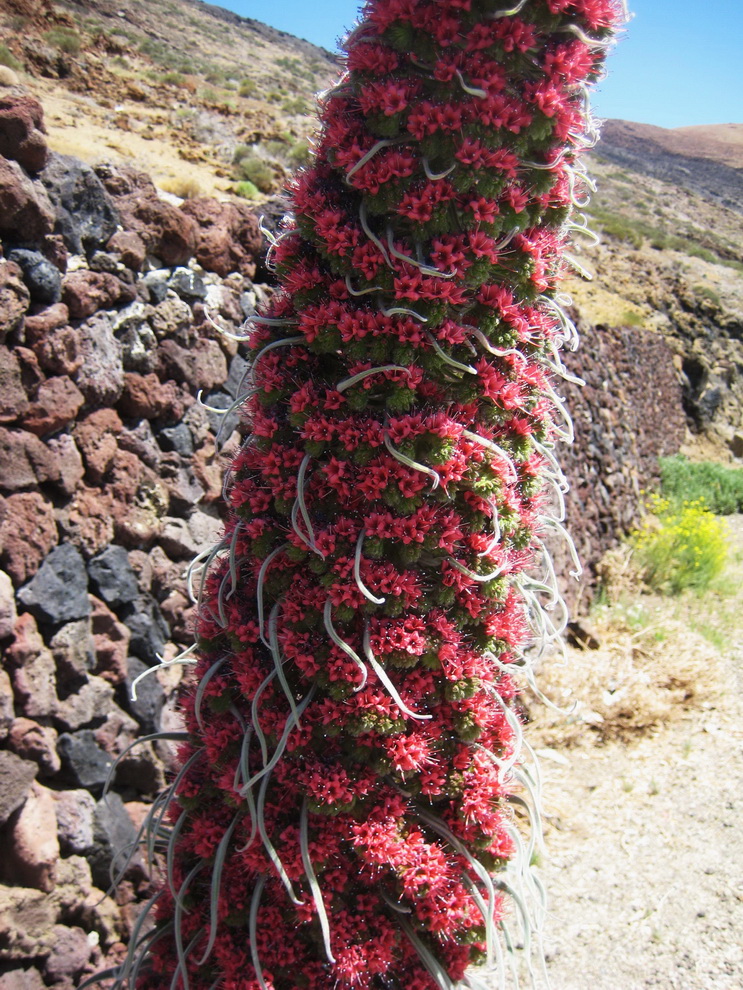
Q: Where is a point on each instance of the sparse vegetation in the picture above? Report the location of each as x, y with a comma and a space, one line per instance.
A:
8, 59
246, 190
719, 488
185, 188
679, 546
65, 39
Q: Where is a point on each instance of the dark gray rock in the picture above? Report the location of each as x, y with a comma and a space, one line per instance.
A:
114, 839
235, 379
83, 761
187, 284
157, 288
16, 777
59, 591
150, 698
102, 261
148, 628
86, 215
222, 424
42, 279
177, 438
112, 576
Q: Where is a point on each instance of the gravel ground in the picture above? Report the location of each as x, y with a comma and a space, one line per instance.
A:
643, 856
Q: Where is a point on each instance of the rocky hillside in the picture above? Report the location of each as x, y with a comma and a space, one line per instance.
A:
208, 103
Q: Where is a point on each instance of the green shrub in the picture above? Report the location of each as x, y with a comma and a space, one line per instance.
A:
295, 105
720, 488
299, 153
8, 59
258, 171
173, 79
247, 190
680, 546
64, 39
248, 87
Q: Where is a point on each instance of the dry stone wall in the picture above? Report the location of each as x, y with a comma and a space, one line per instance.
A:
110, 483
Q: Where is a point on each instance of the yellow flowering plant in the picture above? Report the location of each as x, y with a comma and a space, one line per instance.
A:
680, 546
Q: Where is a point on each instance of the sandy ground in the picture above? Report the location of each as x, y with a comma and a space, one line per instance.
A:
644, 849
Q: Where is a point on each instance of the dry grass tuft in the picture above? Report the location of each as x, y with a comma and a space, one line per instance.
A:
654, 664
185, 187
637, 681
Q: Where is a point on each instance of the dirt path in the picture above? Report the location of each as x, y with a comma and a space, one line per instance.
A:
644, 846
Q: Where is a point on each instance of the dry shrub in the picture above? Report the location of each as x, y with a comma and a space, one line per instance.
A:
632, 684
184, 187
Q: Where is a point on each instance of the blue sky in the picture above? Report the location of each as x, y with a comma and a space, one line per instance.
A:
678, 64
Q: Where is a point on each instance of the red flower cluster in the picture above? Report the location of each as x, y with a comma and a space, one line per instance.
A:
345, 792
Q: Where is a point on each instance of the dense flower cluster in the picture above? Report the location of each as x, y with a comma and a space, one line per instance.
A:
345, 797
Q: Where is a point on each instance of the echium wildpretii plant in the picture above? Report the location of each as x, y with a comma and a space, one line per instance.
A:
344, 815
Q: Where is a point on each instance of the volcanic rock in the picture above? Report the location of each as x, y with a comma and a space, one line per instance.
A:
13, 400
16, 777
42, 278
22, 131
26, 214
85, 214
28, 532
56, 405
101, 376
83, 761
59, 591
228, 236
33, 848
74, 810
27, 462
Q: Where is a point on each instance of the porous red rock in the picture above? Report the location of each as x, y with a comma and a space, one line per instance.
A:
16, 778
228, 238
33, 848
95, 436
111, 639
146, 397
85, 292
58, 353
139, 500
14, 296
86, 521
129, 247
45, 321
202, 366
25, 211
22, 131
28, 531
34, 686
57, 403
166, 231
27, 462
13, 399
70, 462
32, 741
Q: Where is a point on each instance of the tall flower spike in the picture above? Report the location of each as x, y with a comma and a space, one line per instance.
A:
350, 823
